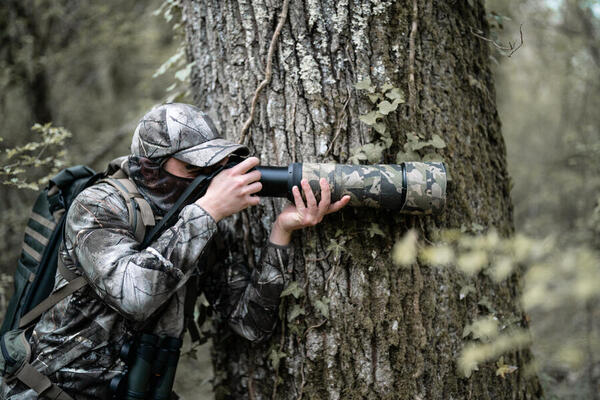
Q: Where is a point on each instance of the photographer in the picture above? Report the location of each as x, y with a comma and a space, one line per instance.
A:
77, 343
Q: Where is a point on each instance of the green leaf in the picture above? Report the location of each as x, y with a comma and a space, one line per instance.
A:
295, 312
322, 306
396, 95
385, 107
293, 289
440, 255
437, 142
178, 57
370, 118
337, 248
477, 228
505, 369
484, 329
380, 127
387, 141
405, 250
412, 137
485, 302
356, 158
503, 267
183, 74
374, 229
374, 151
375, 97
419, 145
11, 153
365, 84
472, 262
275, 357
403, 156
465, 290
386, 87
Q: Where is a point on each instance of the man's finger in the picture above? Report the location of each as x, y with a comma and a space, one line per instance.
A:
325, 196
253, 188
338, 204
251, 177
245, 166
311, 201
253, 200
298, 199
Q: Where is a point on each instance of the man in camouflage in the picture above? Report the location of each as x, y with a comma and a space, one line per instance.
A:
77, 342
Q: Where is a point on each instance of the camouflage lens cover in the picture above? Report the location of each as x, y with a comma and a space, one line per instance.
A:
412, 187
426, 187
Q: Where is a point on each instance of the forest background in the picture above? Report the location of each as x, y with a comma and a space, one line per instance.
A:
94, 68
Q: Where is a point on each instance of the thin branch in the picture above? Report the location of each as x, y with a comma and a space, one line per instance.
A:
510, 48
331, 274
310, 328
339, 127
313, 259
268, 71
411, 58
299, 397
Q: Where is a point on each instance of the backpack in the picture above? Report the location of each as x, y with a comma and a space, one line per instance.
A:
38, 262
36, 267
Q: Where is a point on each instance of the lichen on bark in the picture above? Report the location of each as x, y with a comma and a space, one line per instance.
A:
390, 333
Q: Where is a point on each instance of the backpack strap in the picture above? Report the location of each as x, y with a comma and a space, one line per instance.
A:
50, 301
136, 204
40, 383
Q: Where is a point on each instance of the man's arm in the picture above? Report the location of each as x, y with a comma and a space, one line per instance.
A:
133, 282
247, 298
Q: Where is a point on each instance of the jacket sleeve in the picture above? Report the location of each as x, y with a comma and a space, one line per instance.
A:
135, 283
247, 298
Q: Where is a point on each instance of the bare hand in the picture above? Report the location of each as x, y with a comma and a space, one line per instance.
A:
301, 215
231, 190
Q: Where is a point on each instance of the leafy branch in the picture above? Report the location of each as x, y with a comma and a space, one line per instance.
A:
25, 160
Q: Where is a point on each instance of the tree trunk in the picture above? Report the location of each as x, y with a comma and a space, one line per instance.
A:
362, 327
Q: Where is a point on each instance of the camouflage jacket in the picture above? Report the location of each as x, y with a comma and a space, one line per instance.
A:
77, 342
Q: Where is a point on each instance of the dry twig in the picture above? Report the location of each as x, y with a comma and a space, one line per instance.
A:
510, 48
268, 70
411, 57
339, 127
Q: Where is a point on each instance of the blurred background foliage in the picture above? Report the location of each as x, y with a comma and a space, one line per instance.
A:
94, 68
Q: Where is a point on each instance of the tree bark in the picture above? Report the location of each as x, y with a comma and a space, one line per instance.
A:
370, 329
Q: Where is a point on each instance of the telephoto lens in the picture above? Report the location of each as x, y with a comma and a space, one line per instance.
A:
410, 187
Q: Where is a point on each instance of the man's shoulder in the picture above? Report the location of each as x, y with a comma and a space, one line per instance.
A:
98, 204
101, 194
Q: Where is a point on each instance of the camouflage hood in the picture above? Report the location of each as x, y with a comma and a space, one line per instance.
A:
184, 132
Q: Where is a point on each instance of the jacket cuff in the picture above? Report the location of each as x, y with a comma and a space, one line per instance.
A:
278, 246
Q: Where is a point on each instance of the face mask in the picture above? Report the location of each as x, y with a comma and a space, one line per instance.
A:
160, 187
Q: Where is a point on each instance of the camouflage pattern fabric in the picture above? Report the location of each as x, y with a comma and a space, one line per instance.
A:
183, 132
77, 342
383, 185
426, 187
